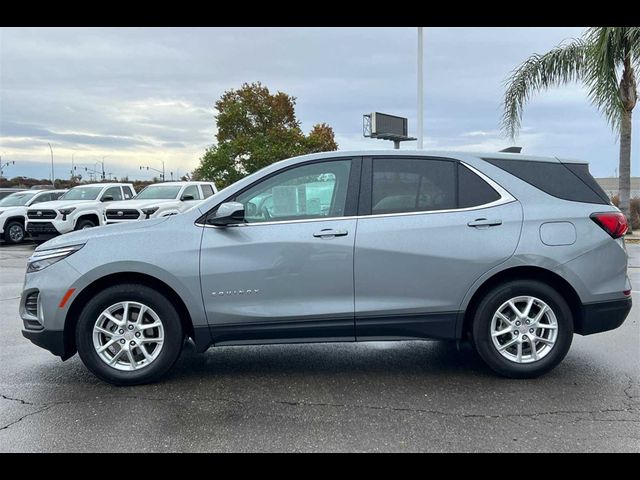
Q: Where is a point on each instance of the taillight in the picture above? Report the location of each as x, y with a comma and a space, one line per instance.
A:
614, 223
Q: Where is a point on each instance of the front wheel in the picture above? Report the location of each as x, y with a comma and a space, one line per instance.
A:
84, 224
129, 335
522, 329
14, 233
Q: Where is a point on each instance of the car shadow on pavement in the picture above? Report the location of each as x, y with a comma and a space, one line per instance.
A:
439, 358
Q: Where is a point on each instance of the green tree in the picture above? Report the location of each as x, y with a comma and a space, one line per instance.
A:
603, 60
257, 128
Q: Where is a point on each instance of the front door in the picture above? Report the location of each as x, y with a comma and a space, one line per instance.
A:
286, 274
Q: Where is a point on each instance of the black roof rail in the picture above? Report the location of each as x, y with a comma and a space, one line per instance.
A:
512, 150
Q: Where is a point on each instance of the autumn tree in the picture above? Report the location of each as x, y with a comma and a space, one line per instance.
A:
257, 128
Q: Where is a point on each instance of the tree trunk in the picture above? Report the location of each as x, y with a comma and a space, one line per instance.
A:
624, 185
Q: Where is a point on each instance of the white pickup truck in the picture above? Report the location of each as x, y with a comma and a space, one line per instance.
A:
13, 211
81, 207
159, 200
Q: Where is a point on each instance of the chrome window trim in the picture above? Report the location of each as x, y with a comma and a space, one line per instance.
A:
505, 197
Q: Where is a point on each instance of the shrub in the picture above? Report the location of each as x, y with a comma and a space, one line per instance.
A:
635, 210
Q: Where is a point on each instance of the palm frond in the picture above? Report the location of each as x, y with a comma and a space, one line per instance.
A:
564, 64
607, 54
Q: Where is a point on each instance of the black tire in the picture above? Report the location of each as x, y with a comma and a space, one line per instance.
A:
481, 331
7, 232
85, 223
173, 334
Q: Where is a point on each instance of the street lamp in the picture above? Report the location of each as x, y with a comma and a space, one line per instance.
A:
53, 175
73, 168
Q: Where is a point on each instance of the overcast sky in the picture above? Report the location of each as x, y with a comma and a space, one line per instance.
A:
141, 95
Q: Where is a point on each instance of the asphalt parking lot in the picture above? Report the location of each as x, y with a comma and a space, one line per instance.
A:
399, 396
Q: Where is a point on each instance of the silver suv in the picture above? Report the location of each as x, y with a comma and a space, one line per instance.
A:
512, 252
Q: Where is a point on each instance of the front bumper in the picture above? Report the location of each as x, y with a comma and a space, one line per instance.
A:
602, 316
52, 340
42, 229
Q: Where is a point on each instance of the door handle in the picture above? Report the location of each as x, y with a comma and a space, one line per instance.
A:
483, 222
330, 232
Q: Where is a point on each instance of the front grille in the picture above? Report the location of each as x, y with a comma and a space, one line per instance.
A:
41, 227
31, 304
44, 214
122, 214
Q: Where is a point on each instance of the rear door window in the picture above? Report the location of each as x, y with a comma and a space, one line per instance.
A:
412, 185
207, 190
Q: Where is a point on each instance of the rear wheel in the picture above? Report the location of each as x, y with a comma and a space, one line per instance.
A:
14, 233
522, 329
129, 334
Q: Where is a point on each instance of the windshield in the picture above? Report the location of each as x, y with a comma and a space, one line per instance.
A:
17, 199
82, 193
159, 192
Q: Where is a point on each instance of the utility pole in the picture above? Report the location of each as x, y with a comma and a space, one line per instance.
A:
73, 167
53, 175
103, 174
420, 90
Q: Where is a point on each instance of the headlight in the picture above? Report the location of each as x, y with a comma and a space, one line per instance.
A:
43, 258
1, 212
65, 212
150, 211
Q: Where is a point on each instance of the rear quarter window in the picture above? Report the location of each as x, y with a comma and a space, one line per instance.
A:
555, 178
473, 190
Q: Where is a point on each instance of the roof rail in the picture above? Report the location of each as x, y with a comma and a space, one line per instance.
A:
512, 150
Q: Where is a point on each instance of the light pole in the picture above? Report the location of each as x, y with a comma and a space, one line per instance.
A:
420, 91
6, 164
73, 167
53, 175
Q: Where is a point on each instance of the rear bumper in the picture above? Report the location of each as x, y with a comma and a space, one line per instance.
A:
603, 316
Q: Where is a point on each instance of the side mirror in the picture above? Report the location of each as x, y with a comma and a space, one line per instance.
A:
186, 197
107, 198
227, 214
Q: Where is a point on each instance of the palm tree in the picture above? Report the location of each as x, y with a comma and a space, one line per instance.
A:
603, 60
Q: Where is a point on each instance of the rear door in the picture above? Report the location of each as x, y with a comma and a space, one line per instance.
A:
428, 228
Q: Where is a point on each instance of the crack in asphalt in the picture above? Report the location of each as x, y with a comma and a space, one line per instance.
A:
508, 416
25, 416
23, 402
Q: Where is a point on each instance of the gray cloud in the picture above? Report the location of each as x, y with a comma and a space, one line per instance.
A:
136, 94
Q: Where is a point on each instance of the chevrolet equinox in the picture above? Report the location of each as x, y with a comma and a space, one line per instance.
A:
512, 252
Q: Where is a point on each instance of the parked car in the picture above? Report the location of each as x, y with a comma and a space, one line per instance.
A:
4, 192
159, 200
79, 208
512, 252
13, 211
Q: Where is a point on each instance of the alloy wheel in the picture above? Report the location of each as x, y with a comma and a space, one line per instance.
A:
524, 329
128, 336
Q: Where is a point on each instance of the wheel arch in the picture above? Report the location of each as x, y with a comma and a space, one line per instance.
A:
88, 216
16, 218
81, 299
522, 273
